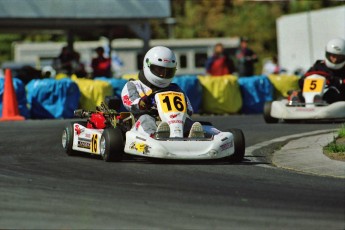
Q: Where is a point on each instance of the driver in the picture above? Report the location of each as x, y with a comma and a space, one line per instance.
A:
333, 69
159, 68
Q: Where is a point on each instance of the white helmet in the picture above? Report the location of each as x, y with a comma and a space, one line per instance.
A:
159, 66
336, 49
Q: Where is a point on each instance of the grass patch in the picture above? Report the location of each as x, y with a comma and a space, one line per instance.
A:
341, 132
336, 149
333, 147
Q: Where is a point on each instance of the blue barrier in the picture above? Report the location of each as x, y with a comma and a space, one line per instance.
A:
117, 85
50, 98
255, 90
191, 86
21, 96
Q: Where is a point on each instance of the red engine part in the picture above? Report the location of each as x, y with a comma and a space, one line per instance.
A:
96, 121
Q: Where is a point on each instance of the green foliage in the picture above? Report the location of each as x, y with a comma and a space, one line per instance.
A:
233, 18
5, 45
341, 132
209, 18
335, 148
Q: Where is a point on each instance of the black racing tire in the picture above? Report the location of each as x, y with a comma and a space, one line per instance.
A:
267, 113
112, 144
67, 139
239, 144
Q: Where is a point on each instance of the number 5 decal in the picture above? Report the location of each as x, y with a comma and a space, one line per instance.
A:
314, 85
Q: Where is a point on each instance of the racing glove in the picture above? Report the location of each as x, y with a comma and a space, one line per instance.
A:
145, 103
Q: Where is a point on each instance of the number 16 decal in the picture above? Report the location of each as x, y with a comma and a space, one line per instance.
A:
94, 142
173, 102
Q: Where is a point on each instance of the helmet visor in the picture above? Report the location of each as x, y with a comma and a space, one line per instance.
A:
162, 72
335, 58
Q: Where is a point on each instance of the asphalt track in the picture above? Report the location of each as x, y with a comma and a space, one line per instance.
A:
42, 188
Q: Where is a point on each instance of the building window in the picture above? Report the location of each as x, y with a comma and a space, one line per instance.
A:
200, 59
183, 61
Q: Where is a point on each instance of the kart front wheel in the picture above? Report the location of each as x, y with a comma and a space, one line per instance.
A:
239, 144
112, 144
67, 139
267, 113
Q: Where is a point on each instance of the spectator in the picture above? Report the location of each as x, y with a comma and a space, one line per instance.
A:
219, 64
63, 63
271, 67
78, 67
101, 65
246, 59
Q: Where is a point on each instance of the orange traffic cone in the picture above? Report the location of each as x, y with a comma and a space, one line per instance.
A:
10, 111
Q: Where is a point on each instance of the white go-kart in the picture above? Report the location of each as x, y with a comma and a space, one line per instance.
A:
170, 106
312, 109
172, 109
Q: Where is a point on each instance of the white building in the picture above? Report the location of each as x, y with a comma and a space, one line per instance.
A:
302, 37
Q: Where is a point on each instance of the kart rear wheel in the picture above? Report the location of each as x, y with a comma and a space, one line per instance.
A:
239, 144
67, 139
267, 113
112, 144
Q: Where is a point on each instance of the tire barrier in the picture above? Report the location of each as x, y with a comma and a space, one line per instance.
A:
190, 84
130, 76
220, 95
283, 84
50, 98
117, 85
19, 88
93, 92
255, 92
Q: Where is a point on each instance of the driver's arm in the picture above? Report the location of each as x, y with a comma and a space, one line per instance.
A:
130, 97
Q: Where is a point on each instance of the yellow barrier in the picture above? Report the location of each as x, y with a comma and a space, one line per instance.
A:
92, 92
60, 76
130, 76
220, 94
284, 83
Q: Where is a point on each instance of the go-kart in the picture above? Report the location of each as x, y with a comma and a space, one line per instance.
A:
121, 135
313, 108
104, 130
172, 108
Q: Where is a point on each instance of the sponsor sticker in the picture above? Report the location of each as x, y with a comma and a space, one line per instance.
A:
226, 146
126, 100
172, 116
84, 144
137, 124
305, 109
140, 147
175, 122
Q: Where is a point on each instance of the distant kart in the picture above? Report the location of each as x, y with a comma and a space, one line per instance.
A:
312, 109
116, 134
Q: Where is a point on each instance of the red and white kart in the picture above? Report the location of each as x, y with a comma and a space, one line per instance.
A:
311, 109
118, 135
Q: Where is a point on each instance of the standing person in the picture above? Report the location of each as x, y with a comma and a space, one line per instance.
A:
101, 65
78, 66
246, 59
219, 64
333, 69
159, 68
63, 63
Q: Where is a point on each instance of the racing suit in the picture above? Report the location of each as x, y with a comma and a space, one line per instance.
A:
335, 81
134, 91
